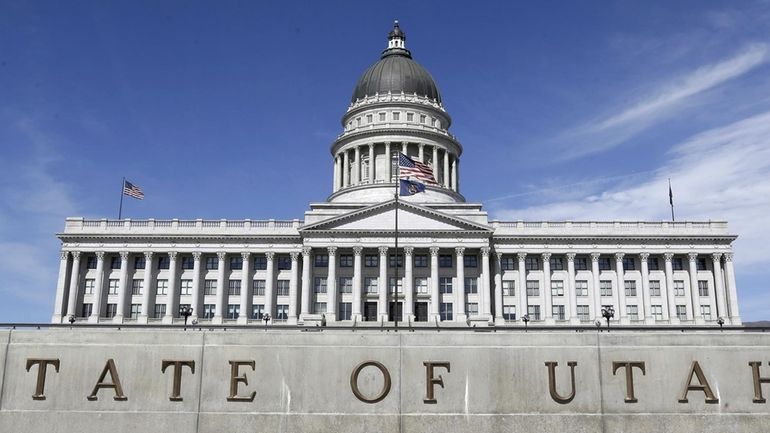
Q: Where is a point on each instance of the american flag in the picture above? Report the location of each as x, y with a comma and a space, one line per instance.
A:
411, 169
132, 190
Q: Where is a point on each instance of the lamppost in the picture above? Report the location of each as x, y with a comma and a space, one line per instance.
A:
608, 313
71, 320
720, 322
186, 311
525, 319
266, 318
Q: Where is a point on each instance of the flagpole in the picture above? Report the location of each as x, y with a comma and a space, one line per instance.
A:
671, 199
120, 208
395, 286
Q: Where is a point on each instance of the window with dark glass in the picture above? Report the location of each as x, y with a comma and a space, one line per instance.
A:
471, 261
605, 264
212, 263
188, 262
91, 262
420, 261
392, 260
260, 263
557, 264
371, 261
677, 263
236, 263
532, 263
701, 264
581, 264
629, 264
284, 263
444, 261
653, 264
114, 262
346, 261
139, 262
507, 263
163, 262
321, 260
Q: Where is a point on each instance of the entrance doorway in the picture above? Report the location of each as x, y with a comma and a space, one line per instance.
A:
370, 311
398, 313
420, 311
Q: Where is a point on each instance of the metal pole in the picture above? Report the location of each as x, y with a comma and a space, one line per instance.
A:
122, 186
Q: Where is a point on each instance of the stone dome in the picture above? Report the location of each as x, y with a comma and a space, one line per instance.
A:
396, 72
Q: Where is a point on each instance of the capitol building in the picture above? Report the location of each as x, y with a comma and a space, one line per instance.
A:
339, 264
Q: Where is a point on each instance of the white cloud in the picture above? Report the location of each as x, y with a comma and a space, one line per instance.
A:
610, 130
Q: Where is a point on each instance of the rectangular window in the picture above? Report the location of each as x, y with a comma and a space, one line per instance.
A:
258, 287
233, 311
284, 263
558, 312
557, 288
557, 264
113, 287
136, 310
369, 118
444, 261
185, 287
581, 288
87, 310
472, 309
163, 262
319, 308
534, 312
432, 121
677, 263
381, 116
346, 285
410, 117
234, 288
678, 288
654, 287
629, 264
507, 263
88, 286
392, 283
91, 262
705, 312
370, 284
188, 262
681, 312
210, 287
509, 288
420, 261
583, 313
321, 260
630, 286
209, 310
396, 115
605, 264
112, 309
236, 264
137, 287
471, 285
657, 312
421, 285
160, 311
422, 118
260, 263
139, 262
282, 288
653, 264
212, 263
445, 284
532, 263
581, 264
701, 264
703, 288
114, 262
320, 285
533, 288
632, 311
605, 288
392, 261
161, 287
258, 311
445, 311
346, 261
509, 312
345, 311
371, 261
282, 312
471, 261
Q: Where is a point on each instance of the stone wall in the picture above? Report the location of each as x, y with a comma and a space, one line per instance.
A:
302, 381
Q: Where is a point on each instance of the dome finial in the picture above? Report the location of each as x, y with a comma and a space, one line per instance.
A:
396, 37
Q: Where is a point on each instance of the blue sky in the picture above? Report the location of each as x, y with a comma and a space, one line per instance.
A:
566, 110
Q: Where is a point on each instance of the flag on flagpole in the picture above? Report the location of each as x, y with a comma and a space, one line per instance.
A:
410, 187
670, 193
415, 170
132, 190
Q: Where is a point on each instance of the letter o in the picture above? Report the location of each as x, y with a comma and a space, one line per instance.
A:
385, 386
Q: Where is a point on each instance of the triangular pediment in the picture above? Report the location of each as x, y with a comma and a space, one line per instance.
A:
382, 218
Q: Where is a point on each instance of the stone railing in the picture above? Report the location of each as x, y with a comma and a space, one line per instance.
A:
651, 228
177, 226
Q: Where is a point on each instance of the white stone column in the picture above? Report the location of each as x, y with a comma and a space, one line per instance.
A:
732, 291
98, 289
293, 285
307, 267
595, 290
382, 305
60, 304
270, 284
547, 293
336, 173
694, 293
345, 169
421, 152
435, 296
331, 286
459, 294
72, 302
197, 293
246, 296
122, 288
219, 308
372, 165
454, 174
523, 306
357, 166
172, 301
622, 315
499, 288
357, 286
719, 286
435, 162
147, 289
408, 285
670, 299
388, 163
484, 291
446, 169
646, 311
571, 313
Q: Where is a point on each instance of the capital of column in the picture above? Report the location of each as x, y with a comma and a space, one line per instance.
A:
383, 251
716, 257
196, 255
571, 257
221, 255
148, 255
123, 255
100, 255
521, 256
692, 256
546, 256
294, 255
595, 257
460, 251
371, 147
484, 251
619, 256
63, 255
408, 251
357, 250
331, 250
172, 255
728, 257
306, 251
245, 255
270, 255
433, 251
644, 256
75, 255
499, 255
668, 257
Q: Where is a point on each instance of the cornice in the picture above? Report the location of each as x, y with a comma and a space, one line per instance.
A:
375, 132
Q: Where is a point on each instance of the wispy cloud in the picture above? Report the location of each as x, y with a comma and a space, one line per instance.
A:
610, 130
